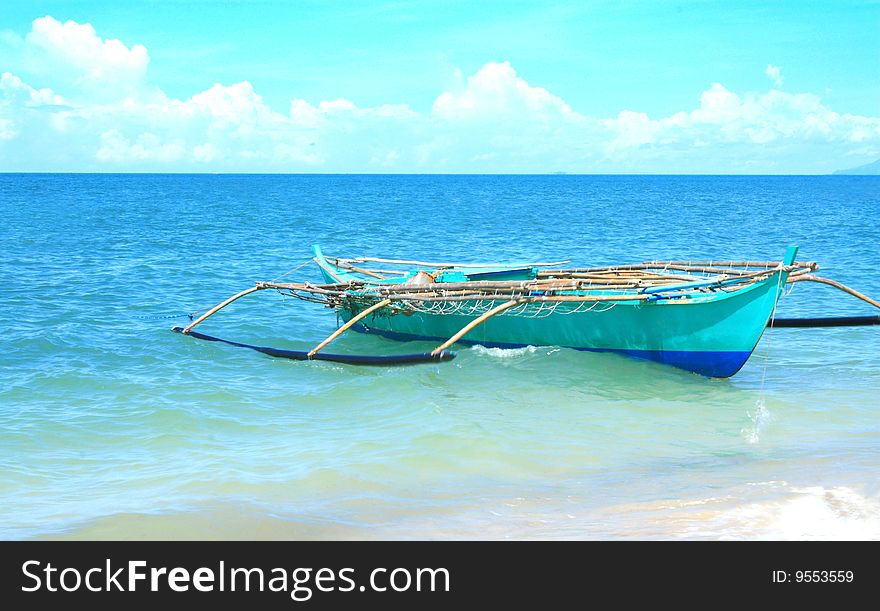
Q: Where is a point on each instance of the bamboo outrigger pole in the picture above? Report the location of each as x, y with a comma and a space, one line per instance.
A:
299, 355
222, 305
474, 323
837, 285
349, 325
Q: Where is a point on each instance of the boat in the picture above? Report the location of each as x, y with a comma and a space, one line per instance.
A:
701, 316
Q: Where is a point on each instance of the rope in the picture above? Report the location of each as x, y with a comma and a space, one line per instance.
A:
761, 412
167, 314
189, 315
761, 403
770, 335
295, 269
192, 314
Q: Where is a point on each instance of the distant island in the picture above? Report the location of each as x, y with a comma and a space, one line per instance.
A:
869, 169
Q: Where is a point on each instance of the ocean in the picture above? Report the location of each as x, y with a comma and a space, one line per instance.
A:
111, 426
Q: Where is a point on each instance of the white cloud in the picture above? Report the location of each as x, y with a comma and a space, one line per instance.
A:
724, 117
15, 89
149, 147
774, 73
94, 109
237, 106
206, 153
74, 54
717, 106
7, 129
23, 106
495, 92
340, 111
498, 119
631, 129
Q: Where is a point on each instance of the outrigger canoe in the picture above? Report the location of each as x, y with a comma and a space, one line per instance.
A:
701, 316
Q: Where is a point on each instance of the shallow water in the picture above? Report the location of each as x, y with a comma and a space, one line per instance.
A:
111, 426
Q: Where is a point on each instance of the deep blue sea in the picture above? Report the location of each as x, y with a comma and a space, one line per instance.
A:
111, 426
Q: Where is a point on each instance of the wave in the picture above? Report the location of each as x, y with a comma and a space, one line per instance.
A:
504, 353
814, 513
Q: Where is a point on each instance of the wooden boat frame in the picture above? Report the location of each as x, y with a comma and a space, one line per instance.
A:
367, 297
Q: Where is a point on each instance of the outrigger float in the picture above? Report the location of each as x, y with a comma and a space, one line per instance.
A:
702, 316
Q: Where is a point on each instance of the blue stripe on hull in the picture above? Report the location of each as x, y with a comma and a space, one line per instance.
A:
710, 364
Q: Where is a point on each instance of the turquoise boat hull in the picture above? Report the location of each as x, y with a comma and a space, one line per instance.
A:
712, 333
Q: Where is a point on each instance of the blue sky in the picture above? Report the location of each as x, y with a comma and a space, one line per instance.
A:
666, 87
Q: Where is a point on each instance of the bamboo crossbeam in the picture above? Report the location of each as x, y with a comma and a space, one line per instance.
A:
524, 298
466, 293
640, 278
634, 280
376, 270
308, 288
222, 305
645, 265
796, 267
837, 285
474, 323
444, 287
473, 286
722, 273
384, 288
623, 274
443, 264
360, 270
718, 268
349, 325
717, 263
801, 271
336, 298
550, 284
540, 282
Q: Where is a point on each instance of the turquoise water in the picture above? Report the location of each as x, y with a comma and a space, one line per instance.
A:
112, 426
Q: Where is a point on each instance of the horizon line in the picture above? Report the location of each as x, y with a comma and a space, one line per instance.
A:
151, 173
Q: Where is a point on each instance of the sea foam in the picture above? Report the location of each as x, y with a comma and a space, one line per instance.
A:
759, 418
504, 353
814, 512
